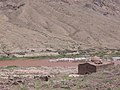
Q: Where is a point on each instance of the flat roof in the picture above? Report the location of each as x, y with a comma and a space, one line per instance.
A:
103, 63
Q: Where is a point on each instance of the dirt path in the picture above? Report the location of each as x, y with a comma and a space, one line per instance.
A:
39, 63
36, 63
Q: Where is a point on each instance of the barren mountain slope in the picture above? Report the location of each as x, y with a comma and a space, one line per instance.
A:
59, 24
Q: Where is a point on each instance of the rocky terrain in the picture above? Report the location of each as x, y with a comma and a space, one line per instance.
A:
41, 25
57, 78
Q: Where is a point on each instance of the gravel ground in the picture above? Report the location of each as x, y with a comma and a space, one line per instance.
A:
57, 78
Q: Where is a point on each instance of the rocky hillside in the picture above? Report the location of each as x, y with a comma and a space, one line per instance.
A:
42, 25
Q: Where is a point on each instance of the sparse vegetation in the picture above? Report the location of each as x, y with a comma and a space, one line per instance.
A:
83, 53
22, 87
51, 29
61, 81
37, 85
8, 58
109, 89
9, 67
42, 57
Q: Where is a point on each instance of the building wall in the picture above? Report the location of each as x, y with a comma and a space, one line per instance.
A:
86, 68
105, 66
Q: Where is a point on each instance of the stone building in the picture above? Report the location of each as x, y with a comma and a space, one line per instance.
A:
90, 67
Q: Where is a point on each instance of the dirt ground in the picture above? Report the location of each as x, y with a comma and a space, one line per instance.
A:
57, 78
36, 63
17, 75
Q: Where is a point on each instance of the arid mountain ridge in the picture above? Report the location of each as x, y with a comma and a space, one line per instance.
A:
42, 25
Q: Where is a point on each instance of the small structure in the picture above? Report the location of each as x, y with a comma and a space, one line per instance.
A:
91, 67
96, 60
